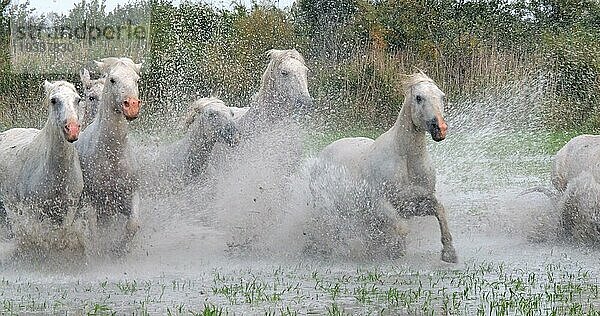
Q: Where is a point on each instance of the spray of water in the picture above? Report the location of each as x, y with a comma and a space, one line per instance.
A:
266, 198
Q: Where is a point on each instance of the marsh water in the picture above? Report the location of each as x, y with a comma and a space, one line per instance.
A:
234, 243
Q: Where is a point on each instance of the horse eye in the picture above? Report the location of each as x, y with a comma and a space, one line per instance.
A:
419, 98
284, 73
53, 100
112, 80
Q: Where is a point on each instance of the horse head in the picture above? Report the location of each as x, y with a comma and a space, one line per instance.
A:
286, 79
121, 85
63, 101
426, 102
213, 120
92, 96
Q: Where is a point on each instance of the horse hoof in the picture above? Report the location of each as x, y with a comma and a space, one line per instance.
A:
449, 256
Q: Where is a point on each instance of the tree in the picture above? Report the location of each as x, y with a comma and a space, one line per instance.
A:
4, 37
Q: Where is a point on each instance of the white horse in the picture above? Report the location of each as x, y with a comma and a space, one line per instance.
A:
283, 91
110, 183
582, 153
208, 122
397, 164
92, 92
579, 206
576, 177
39, 169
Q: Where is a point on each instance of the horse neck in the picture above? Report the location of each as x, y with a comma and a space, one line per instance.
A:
269, 101
59, 153
112, 128
264, 94
198, 147
90, 111
409, 141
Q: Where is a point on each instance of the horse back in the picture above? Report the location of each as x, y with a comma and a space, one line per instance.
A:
16, 138
15, 148
347, 151
580, 154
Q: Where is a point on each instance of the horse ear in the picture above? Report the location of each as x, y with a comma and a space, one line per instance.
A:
110, 60
405, 82
189, 118
100, 64
48, 86
137, 68
272, 53
84, 75
419, 70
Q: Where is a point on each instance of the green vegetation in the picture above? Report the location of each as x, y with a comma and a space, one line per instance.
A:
478, 288
356, 51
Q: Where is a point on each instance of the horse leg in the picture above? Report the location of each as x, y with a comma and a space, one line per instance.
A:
133, 221
73, 227
5, 222
90, 218
568, 210
448, 251
395, 229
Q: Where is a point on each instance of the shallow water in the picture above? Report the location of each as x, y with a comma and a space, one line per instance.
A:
230, 243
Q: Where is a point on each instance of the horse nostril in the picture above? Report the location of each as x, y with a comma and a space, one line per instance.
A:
72, 127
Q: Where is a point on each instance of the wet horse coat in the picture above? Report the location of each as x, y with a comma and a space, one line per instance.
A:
110, 183
39, 169
397, 163
283, 92
576, 177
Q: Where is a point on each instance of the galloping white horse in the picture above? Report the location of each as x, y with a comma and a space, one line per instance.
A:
208, 122
92, 92
397, 164
576, 177
579, 154
270, 150
39, 169
110, 184
283, 91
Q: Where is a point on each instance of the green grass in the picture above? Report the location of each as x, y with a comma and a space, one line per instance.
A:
317, 140
548, 142
478, 288
557, 139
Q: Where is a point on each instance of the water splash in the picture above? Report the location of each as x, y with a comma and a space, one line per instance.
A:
264, 197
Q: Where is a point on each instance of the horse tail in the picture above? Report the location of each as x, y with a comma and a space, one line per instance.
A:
540, 189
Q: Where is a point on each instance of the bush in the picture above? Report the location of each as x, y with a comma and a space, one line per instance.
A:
356, 51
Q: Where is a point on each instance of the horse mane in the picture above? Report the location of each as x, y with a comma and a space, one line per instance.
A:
197, 107
105, 64
410, 80
277, 57
55, 85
